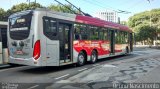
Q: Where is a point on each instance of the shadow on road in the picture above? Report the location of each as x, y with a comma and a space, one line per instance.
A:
51, 69
46, 70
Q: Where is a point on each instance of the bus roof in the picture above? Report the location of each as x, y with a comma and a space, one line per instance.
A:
83, 19
102, 23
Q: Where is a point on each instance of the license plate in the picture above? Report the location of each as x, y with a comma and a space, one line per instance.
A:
19, 52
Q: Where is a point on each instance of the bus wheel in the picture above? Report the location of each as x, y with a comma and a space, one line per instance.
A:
81, 59
93, 57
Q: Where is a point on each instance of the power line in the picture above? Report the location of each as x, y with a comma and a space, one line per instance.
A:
114, 9
86, 14
66, 7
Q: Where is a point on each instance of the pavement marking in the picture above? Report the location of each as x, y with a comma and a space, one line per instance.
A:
96, 65
83, 69
33, 87
62, 76
106, 65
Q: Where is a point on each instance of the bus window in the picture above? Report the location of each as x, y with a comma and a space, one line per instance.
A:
105, 34
94, 33
126, 37
117, 37
77, 35
4, 37
80, 32
101, 34
19, 26
50, 28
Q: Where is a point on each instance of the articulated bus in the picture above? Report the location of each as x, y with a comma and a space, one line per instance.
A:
42, 37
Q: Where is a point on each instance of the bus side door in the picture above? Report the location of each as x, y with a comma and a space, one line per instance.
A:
65, 42
112, 42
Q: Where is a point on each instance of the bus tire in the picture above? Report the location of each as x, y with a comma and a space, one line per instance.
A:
94, 57
81, 59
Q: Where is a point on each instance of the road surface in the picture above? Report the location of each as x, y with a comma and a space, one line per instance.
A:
28, 77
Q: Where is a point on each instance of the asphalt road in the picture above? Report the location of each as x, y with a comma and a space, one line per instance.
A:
28, 77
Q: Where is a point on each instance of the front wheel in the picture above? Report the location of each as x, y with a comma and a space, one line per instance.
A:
81, 59
93, 57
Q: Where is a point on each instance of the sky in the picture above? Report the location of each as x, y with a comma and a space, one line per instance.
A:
92, 6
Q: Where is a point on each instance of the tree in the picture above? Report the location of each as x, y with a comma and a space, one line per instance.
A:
17, 8
145, 34
25, 6
2, 15
65, 8
144, 24
145, 17
123, 23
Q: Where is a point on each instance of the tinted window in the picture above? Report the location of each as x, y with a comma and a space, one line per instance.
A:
94, 33
101, 34
106, 34
4, 37
50, 27
81, 32
19, 26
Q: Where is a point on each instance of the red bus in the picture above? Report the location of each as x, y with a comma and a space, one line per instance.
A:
47, 38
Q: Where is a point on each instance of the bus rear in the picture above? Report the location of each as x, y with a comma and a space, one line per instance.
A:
24, 46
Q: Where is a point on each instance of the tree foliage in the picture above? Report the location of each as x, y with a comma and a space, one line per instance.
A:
2, 14
146, 25
16, 8
145, 32
60, 8
25, 6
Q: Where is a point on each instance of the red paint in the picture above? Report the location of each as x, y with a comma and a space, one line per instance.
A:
118, 48
101, 46
102, 23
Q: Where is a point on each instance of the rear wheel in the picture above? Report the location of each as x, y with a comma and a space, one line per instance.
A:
81, 59
93, 57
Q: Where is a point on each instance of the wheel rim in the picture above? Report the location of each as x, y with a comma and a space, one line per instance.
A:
93, 57
81, 59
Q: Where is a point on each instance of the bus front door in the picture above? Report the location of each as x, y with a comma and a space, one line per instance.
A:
112, 42
65, 42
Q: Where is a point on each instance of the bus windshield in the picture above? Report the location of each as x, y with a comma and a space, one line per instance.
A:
19, 26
